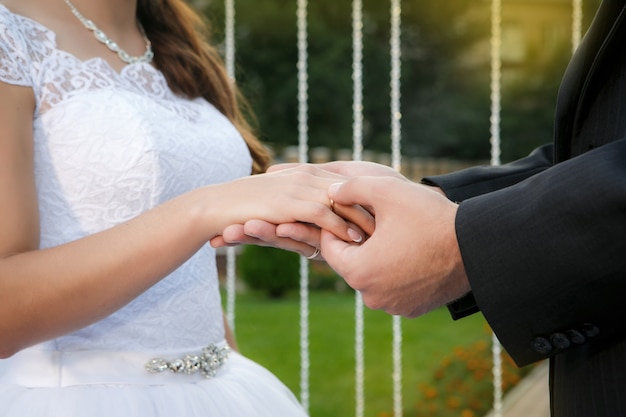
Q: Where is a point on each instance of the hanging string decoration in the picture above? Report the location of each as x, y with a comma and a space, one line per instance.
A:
303, 109
496, 351
229, 37
496, 79
357, 80
577, 22
397, 366
396, 61
396, 162
229, 7
496, 96
231, 283
357, 155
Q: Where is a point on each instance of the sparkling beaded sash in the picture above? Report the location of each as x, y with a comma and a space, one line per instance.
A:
206, 362
36, 367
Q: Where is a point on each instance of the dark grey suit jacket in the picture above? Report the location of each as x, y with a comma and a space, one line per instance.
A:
543, 239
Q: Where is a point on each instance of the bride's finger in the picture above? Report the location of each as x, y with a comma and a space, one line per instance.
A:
300, 232
218, 242
263, 234
356, 215
295, 237
283, 166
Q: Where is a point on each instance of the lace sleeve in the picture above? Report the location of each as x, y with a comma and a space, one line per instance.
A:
15, 65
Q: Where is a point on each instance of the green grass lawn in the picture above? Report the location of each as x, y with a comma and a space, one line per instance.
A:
267, 331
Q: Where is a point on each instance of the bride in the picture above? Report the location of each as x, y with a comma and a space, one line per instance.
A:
123, 151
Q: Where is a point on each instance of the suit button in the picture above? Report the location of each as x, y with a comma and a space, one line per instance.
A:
541, 345
559, 340
590, 330
575, 337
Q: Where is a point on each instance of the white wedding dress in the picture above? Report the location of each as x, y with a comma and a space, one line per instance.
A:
109, 146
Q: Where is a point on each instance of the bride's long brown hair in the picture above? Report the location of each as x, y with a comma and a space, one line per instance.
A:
193, 67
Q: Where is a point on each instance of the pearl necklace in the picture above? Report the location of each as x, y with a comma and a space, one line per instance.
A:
113, 46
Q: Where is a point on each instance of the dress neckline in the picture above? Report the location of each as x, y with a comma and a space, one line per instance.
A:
52, 38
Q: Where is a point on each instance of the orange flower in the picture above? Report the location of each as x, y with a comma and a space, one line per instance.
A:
475, 404
473, 364
454, 402
480, 374
481, 345
430, 393
467, 413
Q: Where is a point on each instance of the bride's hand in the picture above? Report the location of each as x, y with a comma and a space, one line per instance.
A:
349, 169
296, 200
302, 238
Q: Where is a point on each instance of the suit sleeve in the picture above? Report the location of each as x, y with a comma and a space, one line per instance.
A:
479, 180
474, 181
546, 257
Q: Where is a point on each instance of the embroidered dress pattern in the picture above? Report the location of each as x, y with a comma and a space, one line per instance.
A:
107, 147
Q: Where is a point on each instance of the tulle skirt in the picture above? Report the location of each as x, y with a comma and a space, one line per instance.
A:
241, 388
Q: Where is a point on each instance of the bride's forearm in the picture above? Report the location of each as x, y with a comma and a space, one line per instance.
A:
47, 293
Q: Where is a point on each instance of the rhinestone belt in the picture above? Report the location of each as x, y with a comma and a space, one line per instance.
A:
207, 362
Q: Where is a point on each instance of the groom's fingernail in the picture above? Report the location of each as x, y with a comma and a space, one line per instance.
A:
355, 236
334, 188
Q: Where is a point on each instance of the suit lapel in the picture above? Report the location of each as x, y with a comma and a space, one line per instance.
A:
586, 70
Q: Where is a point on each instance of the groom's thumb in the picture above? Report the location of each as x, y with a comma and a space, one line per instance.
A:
350, 192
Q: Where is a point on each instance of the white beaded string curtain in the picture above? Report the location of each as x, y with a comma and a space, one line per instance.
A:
229, 8
357, 107
495, 140
303, 108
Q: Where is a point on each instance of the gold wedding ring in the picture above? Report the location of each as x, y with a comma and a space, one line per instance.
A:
332, 205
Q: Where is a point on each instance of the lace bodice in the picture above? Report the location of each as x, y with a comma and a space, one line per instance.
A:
109, 146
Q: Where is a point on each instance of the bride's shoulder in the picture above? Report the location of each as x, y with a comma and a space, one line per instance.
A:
26, 8
33, 12
24, 41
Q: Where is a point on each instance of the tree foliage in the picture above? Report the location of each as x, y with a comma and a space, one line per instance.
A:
445, 104
268, 269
